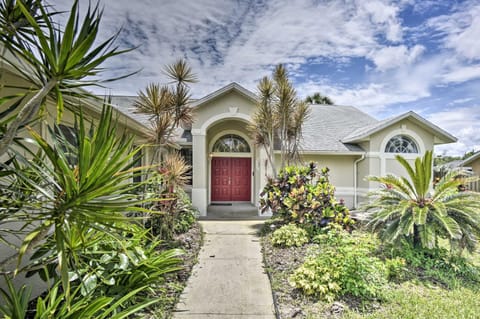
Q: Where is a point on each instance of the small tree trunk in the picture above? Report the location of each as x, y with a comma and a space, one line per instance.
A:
417, 240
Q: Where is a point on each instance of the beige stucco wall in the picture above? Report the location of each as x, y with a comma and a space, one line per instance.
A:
228, 113
475, 165
230, 102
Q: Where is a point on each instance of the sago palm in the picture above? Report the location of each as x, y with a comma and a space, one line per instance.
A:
409, 208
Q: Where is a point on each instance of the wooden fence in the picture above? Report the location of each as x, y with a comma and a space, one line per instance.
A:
474, 186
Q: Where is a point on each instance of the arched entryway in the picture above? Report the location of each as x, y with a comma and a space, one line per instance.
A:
231, 169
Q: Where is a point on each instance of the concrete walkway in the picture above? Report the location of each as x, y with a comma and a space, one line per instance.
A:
229, 280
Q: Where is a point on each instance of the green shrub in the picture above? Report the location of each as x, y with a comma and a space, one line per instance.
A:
109, 266
437, 265
304, 196
289, 235
396, 268
347, 267
186, 214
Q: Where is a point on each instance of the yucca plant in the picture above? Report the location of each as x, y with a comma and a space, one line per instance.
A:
55, 61
14, 303
92, 191
411, 209
279, 118
174, 171
167, 106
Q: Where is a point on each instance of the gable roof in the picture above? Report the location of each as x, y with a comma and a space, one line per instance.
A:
327, 125
441, 136
470, 159
224, 90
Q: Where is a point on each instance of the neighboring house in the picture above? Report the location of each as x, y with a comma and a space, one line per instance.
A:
228, 167
472, 163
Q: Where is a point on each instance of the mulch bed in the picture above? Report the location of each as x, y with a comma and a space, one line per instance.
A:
290, 302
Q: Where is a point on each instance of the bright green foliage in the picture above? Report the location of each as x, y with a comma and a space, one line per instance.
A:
53, 305
345, 265
437, 265
110, 266
290, 235
55, 61
14, 303
407, 209
396, 268
186, 214
74, 186
304, 196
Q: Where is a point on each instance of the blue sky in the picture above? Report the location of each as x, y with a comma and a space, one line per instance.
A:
385, 57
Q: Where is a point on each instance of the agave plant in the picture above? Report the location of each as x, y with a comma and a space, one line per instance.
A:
411, 209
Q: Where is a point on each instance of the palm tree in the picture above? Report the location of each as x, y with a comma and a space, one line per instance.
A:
410, 209
317, 98
56, 62
167, 107
279, 118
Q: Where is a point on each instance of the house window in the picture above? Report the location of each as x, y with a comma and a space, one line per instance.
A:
401, 144
187, 156
137, 162
231, 144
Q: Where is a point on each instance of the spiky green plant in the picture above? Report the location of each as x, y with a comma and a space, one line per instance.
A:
317, 98
167, 106
87, 188
411, 209
54, 61
279, 118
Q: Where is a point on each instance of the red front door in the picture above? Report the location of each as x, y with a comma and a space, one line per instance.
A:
231, 179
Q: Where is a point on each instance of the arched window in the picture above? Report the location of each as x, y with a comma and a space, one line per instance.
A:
401, 144
231, 144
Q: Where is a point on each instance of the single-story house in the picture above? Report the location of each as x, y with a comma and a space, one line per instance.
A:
228, 167
473, 163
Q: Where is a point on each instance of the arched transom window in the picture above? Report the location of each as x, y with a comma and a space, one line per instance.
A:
401, 144
231, 143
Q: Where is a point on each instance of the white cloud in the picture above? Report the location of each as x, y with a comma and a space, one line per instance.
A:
462, 73
391, 57
463, 123
240, 41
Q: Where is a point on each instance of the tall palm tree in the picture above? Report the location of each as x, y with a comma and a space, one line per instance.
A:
279, 117
317, 98
410, 209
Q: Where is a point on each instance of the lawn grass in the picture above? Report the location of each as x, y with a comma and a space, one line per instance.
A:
418, 297
417, 301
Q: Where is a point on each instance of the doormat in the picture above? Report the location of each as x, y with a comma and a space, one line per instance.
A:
221, 204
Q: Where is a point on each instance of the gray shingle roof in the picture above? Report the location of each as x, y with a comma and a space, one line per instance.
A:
327, 125
125, 105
